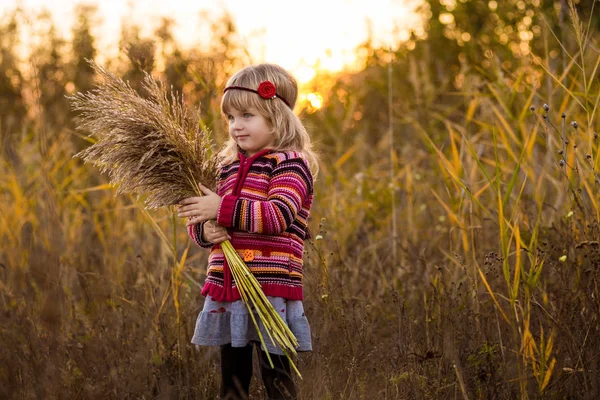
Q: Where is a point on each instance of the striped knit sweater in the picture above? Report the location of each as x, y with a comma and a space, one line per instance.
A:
266, 204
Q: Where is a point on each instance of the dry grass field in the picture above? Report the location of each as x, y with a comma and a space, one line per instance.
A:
455, 256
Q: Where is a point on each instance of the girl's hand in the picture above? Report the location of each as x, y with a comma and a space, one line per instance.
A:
214, 233
198, 209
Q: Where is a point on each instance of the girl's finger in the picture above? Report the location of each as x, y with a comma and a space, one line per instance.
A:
224, 236
205, 190
192, 221
190, 213
218, 235
183, 210
221, 239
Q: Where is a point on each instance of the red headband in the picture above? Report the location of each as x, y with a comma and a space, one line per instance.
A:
266, 90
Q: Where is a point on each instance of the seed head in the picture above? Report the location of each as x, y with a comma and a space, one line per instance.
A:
595, 135
560, 152
546, 107
589, 157
561, 163
532, 108
574, 124
545, 116
566, 141
563, 115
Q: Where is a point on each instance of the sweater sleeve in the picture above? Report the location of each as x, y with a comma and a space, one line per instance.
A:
289, 186
195, 231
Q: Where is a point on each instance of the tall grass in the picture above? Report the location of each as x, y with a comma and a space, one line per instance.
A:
493, 294
531, 178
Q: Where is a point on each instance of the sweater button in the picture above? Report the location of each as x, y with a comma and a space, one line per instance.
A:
248, 255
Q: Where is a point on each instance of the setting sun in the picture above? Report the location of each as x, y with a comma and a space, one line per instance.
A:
314, 101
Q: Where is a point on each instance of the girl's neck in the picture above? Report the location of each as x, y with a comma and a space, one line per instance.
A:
254, 155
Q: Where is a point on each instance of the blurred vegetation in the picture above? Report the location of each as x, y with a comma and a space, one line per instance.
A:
456, 247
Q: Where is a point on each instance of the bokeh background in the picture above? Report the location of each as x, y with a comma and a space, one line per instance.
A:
456, 246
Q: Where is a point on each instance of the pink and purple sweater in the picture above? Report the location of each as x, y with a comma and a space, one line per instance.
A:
266, 204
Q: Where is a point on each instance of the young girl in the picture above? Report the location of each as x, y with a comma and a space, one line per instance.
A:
262, 203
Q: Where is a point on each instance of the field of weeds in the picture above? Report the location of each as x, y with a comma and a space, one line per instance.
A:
456, 237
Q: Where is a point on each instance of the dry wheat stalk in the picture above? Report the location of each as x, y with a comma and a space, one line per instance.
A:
152, 146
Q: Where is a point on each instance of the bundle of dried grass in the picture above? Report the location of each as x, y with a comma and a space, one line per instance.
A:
155, 147
152, 146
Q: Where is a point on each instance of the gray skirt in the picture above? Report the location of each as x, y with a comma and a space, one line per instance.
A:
221, 323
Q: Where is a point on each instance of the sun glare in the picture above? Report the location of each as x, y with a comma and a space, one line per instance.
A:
309, 42
313, 101
304, 73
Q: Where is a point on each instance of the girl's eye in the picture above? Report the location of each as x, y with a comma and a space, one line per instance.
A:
229, 118
248, 115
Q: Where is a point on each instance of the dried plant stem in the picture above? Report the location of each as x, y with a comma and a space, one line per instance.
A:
254, 298
392, 161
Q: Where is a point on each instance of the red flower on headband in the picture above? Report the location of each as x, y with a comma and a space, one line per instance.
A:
267, 90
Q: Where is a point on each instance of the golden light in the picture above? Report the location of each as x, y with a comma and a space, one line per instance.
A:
446, 18
313, 41
313, 101
304, 73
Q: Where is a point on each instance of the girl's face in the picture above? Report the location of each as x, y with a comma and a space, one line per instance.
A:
250, 130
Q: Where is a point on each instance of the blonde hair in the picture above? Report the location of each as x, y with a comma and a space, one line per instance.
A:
290, 134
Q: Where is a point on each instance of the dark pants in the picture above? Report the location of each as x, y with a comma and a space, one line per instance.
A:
236, 372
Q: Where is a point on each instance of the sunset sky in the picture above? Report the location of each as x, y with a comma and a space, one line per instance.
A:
294, 34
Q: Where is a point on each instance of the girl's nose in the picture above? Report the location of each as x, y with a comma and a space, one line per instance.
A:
236, 126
